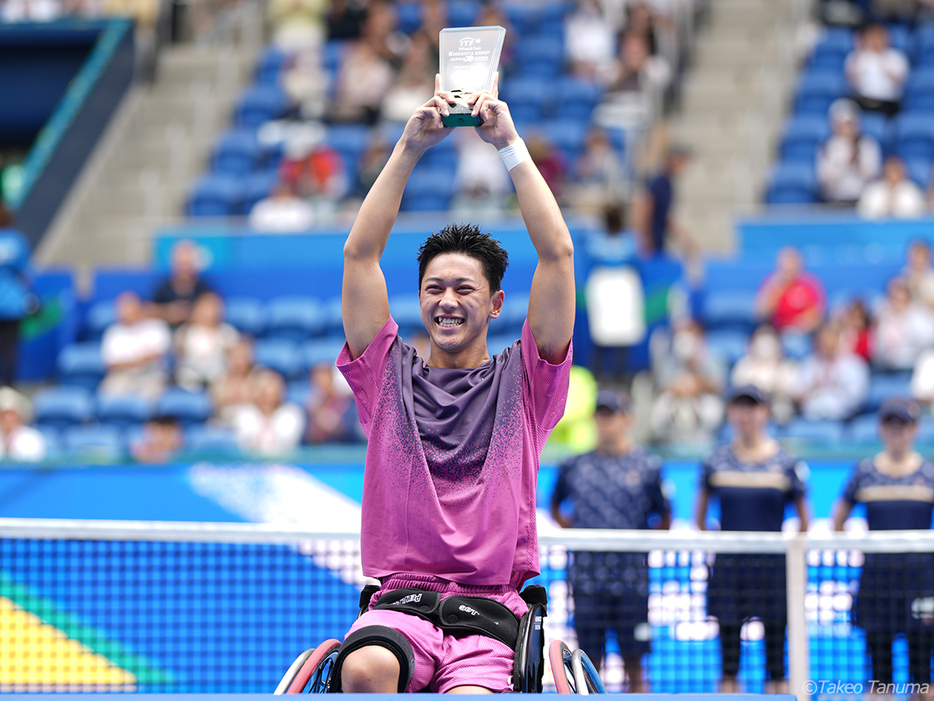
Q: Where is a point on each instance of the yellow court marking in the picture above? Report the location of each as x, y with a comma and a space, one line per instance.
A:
37, 656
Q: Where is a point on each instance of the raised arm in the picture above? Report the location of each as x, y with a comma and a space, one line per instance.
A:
364, 300
552, 297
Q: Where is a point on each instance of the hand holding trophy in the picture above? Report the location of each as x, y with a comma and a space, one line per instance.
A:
469, 60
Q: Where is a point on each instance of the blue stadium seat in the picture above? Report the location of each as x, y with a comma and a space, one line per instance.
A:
819, 431
913, 135
258, 186
99, 317
205, 438
883, 386
729, 345
816, 91
259, 104
515, 310
187, 407
792, 183
334, 51
281, 355
350, 140
81, 365
461, 13
270, 64
216, 195
298, 392
796, 345
919, 170
442, 155
919, 91
803, 134
94, 442
922, 48
899, 37
324, 350
527, 97
409, 16
831, 51
429, 190
235, 152
52, 437
874, 124
333, 309
569, 135
124, 411
926, 430
246, 314
497, 343
729, 309
578, 98
295, 318
539, 56
61, 407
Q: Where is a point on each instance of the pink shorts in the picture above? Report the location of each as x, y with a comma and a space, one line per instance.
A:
443, 662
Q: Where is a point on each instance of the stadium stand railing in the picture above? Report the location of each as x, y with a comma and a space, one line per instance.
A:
212, 608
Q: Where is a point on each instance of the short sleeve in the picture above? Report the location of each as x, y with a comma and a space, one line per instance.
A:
547, 383
706, 472
364, 374
798, 476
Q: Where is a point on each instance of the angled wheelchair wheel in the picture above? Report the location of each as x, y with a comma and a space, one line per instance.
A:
292, 671
586, 678
559, 656
314, 675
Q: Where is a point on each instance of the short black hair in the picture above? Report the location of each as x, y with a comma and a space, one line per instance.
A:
469, 240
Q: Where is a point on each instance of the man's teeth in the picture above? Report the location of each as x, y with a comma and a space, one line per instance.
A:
449, 322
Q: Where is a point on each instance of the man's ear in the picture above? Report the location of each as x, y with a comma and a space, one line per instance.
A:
497, 304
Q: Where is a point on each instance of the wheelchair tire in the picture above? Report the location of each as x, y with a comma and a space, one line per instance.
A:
586, 678
560, 658
292, 671
315, 674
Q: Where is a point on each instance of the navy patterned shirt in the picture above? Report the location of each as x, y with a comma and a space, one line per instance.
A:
612, 491
753, 495
893, 503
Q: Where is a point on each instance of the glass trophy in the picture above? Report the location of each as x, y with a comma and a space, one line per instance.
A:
469, 59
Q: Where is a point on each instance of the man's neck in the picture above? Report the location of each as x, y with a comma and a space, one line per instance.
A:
465, 359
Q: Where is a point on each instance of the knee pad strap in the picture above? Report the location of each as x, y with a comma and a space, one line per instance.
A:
382, 636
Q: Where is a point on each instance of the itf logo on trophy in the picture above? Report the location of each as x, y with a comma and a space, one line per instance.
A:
469, 59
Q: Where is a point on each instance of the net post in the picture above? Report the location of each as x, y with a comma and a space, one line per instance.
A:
796, 588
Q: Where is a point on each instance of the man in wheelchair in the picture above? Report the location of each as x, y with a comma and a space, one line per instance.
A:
454, 440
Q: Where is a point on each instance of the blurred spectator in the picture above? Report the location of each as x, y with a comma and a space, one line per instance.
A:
652, 221
790, 298
30, 10
597, 177
16, 298
833, 381
306, 83
267, 425
345, 18
894, 195
372, 161
202, 344
848, 160
922, 379
313, 171
876, 71
765, 366
380, 30
232, 391
332, 415
414, 84
635, 85
282, 212
482, 182
856, 329
919, 273
174, 297
162, 440
363, 79
492, 14
614, 243
590, 41
20, 442
550, 162
691, 381
297, 24
903, 329
134, 351
434, 16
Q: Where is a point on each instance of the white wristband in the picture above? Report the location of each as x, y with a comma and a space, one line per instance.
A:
514, 154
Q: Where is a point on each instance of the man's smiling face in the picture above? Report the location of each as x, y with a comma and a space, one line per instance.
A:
457, 304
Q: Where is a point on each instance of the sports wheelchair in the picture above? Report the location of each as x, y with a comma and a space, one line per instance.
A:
312, 672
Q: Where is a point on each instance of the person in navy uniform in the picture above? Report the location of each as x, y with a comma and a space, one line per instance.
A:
617, 485
896, 590
753, 478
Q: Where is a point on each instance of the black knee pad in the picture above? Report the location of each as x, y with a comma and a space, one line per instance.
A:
385, 637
